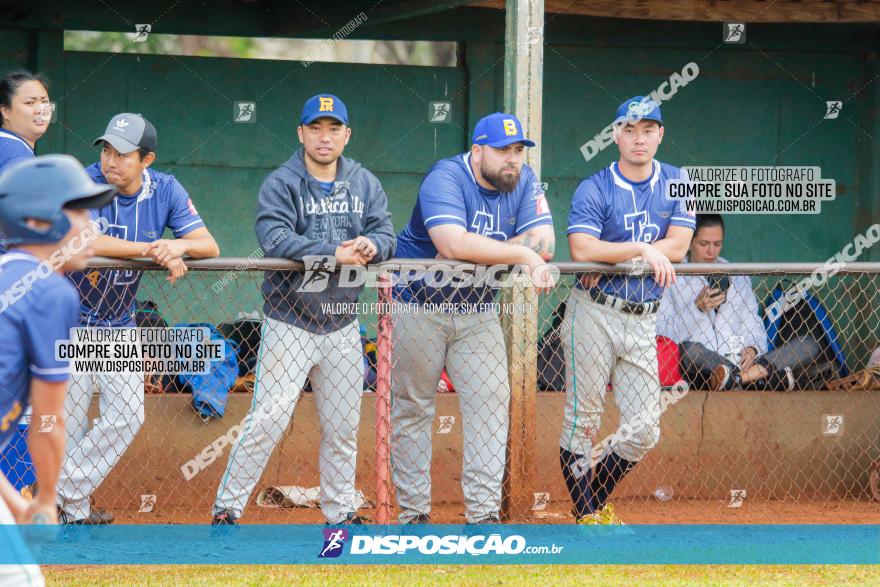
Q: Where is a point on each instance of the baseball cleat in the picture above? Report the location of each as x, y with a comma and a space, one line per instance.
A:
589, 520
721, 379
225, 518
492, 519
352, 518
96, 517
604, 517
419, 519
609, 517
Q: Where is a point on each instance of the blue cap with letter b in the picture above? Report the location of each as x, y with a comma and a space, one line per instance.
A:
324, 105
639, 108
499, 130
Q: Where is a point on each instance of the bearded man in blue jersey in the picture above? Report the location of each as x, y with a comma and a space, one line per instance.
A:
486, 207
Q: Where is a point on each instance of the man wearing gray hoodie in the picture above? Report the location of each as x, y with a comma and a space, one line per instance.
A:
325, 210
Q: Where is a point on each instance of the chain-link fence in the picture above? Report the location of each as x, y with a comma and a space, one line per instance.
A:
451, 403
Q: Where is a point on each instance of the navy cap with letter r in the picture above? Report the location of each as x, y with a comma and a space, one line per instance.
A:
129, 132
324, 106
499, 130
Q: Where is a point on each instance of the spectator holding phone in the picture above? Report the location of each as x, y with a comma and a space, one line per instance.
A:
714, 319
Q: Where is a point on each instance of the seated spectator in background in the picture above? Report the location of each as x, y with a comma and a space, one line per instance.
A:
714, 319
25, 112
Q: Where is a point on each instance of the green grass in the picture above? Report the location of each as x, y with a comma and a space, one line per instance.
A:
411, 576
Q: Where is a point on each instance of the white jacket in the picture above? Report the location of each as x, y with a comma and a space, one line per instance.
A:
733, 326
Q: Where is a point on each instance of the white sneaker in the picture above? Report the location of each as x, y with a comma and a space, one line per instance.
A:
789, 379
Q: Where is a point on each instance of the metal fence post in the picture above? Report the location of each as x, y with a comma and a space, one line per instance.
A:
520, 322
523, 96
384, 328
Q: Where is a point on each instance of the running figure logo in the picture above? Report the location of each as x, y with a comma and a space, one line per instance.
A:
148, 502
541, 501
440, 112
833, 109
245, 112
734, 32
736, 498
446, 424
833, 425
334, 540
318, 269
47, 422
141, 32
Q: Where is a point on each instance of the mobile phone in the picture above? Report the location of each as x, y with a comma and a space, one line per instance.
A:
720, 282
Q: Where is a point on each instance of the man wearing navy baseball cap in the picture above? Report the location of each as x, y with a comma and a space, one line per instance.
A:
486, 207
322, 209
146, 202
619, 214
638, 108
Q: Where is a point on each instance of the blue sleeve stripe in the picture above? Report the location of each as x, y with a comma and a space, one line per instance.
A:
584, 228
449, 216
689, 221
543, 219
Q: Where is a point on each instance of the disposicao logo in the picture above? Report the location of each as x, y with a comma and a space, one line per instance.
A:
334, 540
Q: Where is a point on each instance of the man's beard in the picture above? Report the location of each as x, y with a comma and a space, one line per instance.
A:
503, 182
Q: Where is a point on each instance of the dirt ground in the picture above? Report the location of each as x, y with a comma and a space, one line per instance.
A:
632, 511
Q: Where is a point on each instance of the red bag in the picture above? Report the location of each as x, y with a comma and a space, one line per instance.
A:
445, 384
667, 361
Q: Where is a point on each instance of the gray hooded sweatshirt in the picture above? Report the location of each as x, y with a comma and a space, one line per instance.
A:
295, 218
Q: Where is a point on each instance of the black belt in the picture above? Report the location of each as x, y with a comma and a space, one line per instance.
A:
622, 305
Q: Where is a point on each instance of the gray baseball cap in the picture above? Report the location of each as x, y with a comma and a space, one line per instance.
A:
128, 132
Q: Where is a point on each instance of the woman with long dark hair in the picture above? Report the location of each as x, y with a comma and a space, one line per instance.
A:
25, 111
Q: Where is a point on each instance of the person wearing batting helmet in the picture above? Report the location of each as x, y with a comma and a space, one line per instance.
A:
620, 214
44, 204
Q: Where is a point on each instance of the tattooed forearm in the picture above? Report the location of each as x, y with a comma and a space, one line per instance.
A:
544, 247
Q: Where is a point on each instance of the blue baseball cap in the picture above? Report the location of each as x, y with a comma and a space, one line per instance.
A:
500, 130
639, 108
324, 105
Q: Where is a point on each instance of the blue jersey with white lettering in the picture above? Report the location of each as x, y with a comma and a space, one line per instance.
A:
108, 294
13, 149
615, 209
450, 194
37, 308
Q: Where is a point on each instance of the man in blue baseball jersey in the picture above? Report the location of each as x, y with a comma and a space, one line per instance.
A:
484, 206
146, 203
619, 214
45, 222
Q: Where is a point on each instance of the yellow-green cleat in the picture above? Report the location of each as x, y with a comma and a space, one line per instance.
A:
608, 517
604, 517
590, 520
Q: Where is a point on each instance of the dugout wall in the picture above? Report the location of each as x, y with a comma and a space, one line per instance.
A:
761, 103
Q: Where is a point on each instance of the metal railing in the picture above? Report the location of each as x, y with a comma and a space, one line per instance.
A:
797, 459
